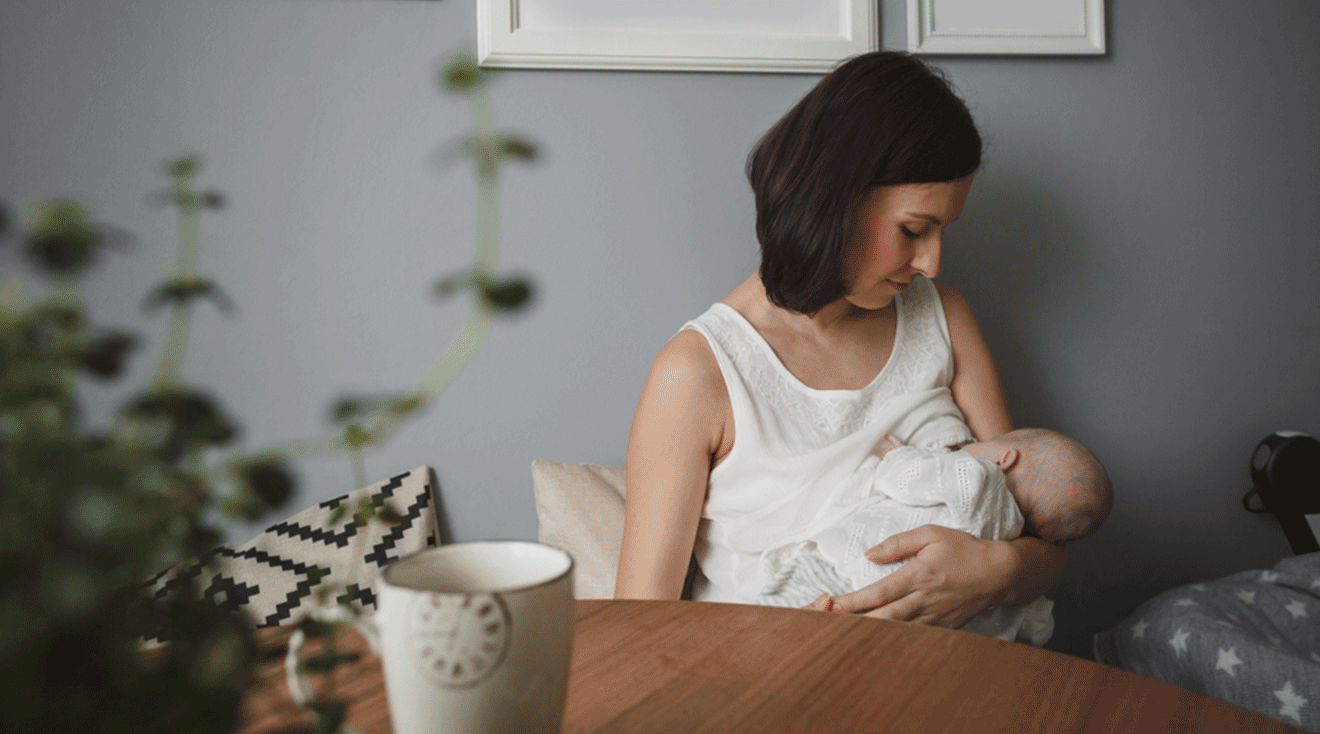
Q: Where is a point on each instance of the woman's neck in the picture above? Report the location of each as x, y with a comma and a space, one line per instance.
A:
837, 318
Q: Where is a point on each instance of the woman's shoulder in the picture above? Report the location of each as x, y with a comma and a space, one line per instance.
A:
950, 297
957, 312
686, 363
685, 395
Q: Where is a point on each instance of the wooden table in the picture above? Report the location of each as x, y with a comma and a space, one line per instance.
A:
670, 667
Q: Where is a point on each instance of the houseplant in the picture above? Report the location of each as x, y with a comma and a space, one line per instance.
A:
87, 514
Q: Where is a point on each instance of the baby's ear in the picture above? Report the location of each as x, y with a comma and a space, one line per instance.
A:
1008, 460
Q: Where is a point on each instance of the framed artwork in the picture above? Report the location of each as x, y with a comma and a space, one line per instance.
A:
805, 36
1006, 26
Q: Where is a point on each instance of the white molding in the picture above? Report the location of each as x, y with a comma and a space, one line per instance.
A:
1011, 34
501, 43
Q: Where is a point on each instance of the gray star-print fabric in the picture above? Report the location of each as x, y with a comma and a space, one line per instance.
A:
1251, 639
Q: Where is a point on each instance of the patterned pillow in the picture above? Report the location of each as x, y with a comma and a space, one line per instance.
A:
1250, 639
273, 576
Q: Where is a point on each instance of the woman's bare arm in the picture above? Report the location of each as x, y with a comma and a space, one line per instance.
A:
679, 426
976, 388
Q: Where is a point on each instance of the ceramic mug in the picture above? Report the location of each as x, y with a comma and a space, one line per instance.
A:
474, 638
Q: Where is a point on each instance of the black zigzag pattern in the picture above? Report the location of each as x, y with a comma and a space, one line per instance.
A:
379, 554
293, 599
236, 593
312, 576
354, 593
328, 535
252, 577
181, 577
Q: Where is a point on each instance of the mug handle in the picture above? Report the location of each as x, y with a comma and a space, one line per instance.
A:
298, 687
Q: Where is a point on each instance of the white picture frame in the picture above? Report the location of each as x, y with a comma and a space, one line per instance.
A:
796, 36
1006, 26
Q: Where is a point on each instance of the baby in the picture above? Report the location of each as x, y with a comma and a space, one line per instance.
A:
995, 490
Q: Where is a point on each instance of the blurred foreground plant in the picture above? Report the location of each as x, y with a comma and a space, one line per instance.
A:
87, 515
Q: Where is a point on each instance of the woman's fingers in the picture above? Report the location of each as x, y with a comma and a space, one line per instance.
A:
907, 609
823, 603
885, 592
896, 585
864, 599
901, 545
945, 583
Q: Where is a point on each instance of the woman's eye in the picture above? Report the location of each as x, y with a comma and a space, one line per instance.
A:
908, 233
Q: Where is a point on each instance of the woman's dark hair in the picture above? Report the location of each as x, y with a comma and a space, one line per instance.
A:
879, 119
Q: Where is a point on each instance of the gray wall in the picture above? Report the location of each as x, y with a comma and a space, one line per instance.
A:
1140, 247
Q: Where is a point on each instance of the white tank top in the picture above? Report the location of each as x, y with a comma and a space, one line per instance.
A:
795, 445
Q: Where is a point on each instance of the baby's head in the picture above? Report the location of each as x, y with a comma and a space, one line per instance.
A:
1063, 491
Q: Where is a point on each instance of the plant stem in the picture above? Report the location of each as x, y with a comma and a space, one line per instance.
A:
488, 195
185, 268
359, 467
474, 330
171, 356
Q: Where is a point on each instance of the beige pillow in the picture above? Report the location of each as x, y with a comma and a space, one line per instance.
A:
580, 509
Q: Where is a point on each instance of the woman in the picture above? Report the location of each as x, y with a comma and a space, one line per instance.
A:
754, 412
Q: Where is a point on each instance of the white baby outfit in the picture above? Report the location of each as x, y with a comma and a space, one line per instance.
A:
908, 488
792, 471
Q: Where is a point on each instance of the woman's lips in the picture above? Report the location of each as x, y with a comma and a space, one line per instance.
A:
897, 286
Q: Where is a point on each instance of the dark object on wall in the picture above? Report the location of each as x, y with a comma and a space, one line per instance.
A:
1285, 469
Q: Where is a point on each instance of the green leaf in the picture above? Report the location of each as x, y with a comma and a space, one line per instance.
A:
356, 408
512, 147
366, 510
193, 420
105, 356
507, 295
356, 436
329, 715
202, 540
408, 405
326, 662
314, 628
388, 515
463, 75
490, 151
62, 241
337, 514
182, 292
213, 200
451, 284
185, 167
269, 479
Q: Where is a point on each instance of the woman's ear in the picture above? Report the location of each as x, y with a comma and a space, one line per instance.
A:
1008, 460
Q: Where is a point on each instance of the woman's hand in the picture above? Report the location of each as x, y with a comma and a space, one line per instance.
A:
950, 577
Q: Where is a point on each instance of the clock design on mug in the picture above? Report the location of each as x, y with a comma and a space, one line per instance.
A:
458, 639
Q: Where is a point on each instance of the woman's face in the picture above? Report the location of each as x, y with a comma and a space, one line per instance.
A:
899, 234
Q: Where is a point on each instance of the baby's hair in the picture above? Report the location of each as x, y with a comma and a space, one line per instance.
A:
1061, 467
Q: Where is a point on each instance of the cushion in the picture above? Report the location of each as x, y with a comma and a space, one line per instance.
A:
580, 509
272, 577
1250, 639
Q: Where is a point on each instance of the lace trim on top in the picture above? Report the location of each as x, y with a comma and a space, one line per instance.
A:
918, 356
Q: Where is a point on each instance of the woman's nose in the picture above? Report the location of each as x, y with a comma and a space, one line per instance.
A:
927, 258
